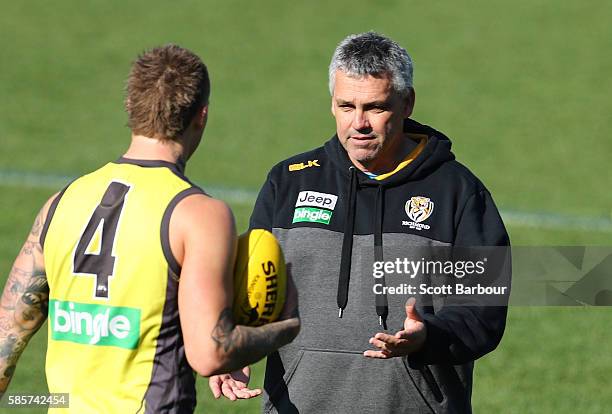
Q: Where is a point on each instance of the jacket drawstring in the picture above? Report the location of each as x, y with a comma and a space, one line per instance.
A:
347, 243
382, 305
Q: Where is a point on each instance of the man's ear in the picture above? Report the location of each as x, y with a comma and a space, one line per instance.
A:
203, 115
333, 106
409, 103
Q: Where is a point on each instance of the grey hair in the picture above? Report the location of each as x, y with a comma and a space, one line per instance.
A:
372, 54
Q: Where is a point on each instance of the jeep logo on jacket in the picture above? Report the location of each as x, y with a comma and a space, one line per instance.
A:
326, 218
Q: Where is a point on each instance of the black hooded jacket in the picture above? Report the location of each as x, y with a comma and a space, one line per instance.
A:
327, 216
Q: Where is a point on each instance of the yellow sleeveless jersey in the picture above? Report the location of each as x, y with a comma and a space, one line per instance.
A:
115, 343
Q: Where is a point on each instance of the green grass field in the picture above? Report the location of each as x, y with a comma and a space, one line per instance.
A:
523, 90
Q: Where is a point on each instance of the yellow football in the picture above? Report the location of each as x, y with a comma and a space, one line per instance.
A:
260, 279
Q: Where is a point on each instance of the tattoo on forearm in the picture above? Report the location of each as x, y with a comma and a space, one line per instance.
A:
6, 348
10, 350
34, 303
248, 344
9, 371
223, 331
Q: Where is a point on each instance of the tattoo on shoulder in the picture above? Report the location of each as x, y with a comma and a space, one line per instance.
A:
30, 248
38, 224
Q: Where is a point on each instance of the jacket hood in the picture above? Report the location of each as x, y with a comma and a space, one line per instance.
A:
437, 151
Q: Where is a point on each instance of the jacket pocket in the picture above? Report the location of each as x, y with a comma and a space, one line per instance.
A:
431, 382
281, 384
335, 381
425, 382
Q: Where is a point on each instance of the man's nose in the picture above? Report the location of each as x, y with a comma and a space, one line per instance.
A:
360, 121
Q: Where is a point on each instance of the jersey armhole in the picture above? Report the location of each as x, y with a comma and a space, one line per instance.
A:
165, 227
50, 213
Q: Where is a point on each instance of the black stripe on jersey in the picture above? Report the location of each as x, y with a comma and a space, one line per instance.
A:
172, 385
178, 168
165, 227
50, 213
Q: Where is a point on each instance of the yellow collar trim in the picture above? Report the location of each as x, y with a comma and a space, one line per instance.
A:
409, 158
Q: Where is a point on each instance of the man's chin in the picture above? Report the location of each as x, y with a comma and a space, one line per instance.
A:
362, 156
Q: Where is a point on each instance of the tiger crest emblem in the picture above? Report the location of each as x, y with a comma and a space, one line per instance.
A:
419, 208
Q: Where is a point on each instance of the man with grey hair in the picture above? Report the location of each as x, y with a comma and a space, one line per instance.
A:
372, 188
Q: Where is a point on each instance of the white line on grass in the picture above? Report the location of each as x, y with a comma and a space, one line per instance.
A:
532, 219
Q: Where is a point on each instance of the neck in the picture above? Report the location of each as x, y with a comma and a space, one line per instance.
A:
145, 148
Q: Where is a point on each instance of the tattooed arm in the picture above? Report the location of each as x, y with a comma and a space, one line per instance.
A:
243, 345
203, 240
24, 303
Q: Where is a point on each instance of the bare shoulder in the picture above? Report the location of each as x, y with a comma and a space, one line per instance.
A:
198, 222
201, 210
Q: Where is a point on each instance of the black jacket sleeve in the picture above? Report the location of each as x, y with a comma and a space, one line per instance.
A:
467, 331
263, 212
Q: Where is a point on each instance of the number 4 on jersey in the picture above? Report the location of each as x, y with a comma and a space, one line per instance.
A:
94, 252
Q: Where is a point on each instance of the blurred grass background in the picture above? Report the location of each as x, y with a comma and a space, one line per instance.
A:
523, 90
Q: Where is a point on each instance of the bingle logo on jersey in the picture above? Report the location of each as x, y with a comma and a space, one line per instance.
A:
418, 209
314, 207
89, 324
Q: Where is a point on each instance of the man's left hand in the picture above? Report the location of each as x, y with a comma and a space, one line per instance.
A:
404, 342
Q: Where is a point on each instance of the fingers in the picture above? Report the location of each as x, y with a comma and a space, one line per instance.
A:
214, 383
385, 342
377, 354
378, 343
399, 344
232, 386
391, 339
226, 388
234, 390
247, 393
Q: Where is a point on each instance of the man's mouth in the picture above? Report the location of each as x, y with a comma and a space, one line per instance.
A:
362, 137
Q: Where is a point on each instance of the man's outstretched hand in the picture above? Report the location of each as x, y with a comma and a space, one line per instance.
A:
404, 342
233, 385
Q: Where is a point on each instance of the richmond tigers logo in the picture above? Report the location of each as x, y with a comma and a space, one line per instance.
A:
419, 208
